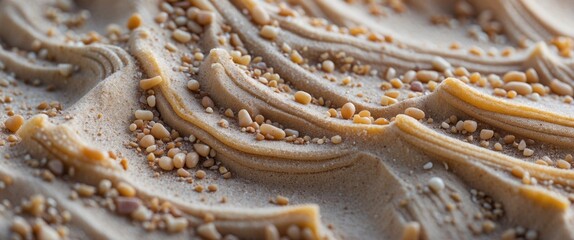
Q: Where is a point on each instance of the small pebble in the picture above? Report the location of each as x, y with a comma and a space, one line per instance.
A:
436, 184
486, 134
193, 85
470, 126
127, 205
336, 139
202, 149
244, 118
274, 132
415, 113
281, 200
159, 131
181, 36
269, 32
134, 21
561, 88
126, 190
14, 123
208, 231
144, 115
165, 163
348, 110
303, 97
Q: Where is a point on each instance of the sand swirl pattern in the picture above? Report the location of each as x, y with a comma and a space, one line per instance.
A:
249, 119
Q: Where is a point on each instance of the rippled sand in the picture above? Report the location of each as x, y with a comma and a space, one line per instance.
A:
322, 119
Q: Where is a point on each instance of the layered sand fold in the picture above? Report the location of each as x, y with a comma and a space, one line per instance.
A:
251, 119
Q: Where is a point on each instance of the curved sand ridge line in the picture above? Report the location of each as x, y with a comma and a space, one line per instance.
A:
511, 17
42, 139
73, 68
230, 86
176, 104
449, 89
